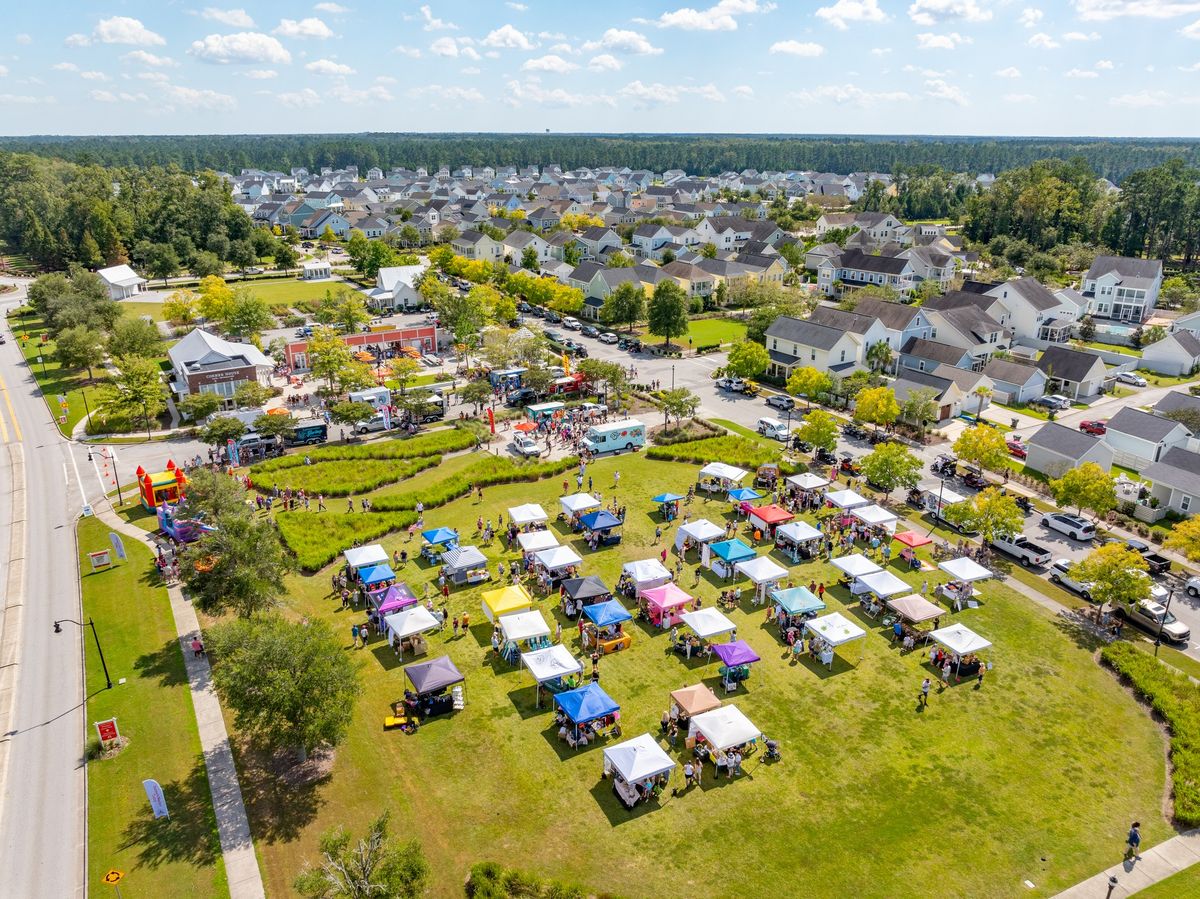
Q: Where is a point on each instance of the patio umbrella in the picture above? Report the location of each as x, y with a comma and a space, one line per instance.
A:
666, 498
525, 427
411, 351
912, 538
278, 411
364, 356
743, 494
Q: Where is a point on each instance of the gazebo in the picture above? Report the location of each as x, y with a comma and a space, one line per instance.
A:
833, 630
846, 499
639, 769
437, 541
662, 604
528, 514
768, 518
798, 538
965, 572
876, 517
723, 728
557, 561
536, 541
405, 627
668, 504
549, 667
763, 572
465, 565
722, 556
644, 574
392, 599
915, 609
577, 504
504, 600
697, 533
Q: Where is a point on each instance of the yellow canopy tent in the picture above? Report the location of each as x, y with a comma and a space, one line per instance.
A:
505, 600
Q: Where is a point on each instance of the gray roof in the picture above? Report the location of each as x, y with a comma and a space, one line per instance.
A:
1177, 468
1142, 425
585, 271
842, 320
911, 379
895, 316
1067, 364
1032, 290
933, 350
1010, 372
888, 265
1188, 341
1068, 442
1176, 400
969, 321
805, 333
1129, 269
966, 379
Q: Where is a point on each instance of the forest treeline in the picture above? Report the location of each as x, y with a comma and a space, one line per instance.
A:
699, 154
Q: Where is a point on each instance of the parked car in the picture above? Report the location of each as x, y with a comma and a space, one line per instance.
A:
1017, 449
523, 307
734, 384
825, 457
525, 445
553, 317
1137, 546
571, 324
1097, 428
374, 423
1131, 378
1060, 573
1021, 548
1153, 618
522, 396
1072, 525
974, 479
609, 337
779, 401
589, 331
1052, 401
593, 410
852, 431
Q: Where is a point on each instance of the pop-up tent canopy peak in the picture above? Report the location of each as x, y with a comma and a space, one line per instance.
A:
505, 600
723, 471
435, 674
587, 703
761, 570
744, 494
846, 499
440, 536
557, 557
588, 587
526, 625
667, 498
600, 520
394, 598
913, 538
465, 558
855, 565
732, 551
695, 699
959, 639
645, 570
835, 629
668, 596
701, 530
964, 569
914, 608
737, 652
807, 481
550, 663
797, 600
798, 531
771, 514
638, 759
530, 513
724, 727
416, 620
606, 614
376, 574
875, 516
535, 541
578, 503
366, 556
707, 622
883, 583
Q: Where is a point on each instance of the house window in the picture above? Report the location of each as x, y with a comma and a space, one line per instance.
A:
813, 355
843, 359
992, 337
933, 333
1185, 503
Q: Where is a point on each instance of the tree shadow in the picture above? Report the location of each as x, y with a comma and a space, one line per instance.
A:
188, 836
281, 798
166, 664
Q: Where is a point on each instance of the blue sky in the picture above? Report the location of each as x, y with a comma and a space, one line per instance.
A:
1074, 67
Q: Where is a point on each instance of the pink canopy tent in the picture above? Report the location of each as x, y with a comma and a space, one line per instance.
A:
663, 604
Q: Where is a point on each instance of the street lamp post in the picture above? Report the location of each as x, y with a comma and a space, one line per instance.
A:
1162, 621
90, 623
672, 377
146, 416
111, 459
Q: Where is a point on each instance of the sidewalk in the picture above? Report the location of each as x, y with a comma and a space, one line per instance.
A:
237, 846
1155, 864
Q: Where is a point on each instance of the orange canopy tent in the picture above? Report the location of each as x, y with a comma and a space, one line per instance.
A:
525, 426
364, 356
912, 538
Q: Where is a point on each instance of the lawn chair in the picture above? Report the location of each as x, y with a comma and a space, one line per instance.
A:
729, 684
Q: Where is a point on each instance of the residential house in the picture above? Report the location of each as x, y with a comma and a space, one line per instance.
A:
1076, 373
797, 343
1014, 381
314, 226
582, 276
473, 244
948, 397
976, 387
901, 321
557, 243
515, 243
930, 265
1122, 288
1138, 438
818, 254
1031, 310
853, 268
205, 363
925, 355
1177, 400
121, 281
965, 325
1175, 480
867, 328
594, 241
396, 287
693, 279
1176, 354
1055, 449
543, 218
834, 221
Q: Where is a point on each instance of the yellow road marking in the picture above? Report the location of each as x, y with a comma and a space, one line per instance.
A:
12, 414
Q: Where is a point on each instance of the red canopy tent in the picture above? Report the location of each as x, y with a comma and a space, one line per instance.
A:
912, 538
525, 426
769, 517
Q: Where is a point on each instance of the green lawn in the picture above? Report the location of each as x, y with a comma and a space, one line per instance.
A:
137, 309
51, 377
288, 290
868, 783
706, 331
179, 856
1097, 345
1185, 883
1154, 379
748, 433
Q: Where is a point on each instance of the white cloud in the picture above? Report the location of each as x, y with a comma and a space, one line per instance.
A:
1194, 67
94, 76
124, 30
604, 62
1030, 17
1104, 64
929, 41
301, 99
1106, 10
548, 63
849, 94
198, 98
149, 59
926, 73
1008, 72
932, 12
880, 51
722, 16
942, 90
65, 67
745, 91
623, 41
334, 9
310, 27
1141, 99
3, 71
328, 67
77, 40
242, 47
444, 46
532, 92
23, 38
1081, 36
1192, 31
234, 18
433, 23
103, 96
262, 74
153, 76
386, 79
1044, 41
1080, 73
450, 93
508, 38
658, 94
1019, 98
517, 7
410, 52
377, 93
797, 48
23, 99
844, 12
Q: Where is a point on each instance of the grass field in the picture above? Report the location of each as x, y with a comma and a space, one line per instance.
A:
50, 375
179, 856
154, 310
706, 331
1185, 883
1153, 379
290, 290
869, 787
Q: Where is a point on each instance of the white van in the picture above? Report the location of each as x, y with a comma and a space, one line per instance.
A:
772, 427
616, 436
376, 397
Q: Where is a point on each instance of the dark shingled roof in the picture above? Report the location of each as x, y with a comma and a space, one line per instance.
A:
888, 265
1143, 425
895, 316
1176, 400
1177, 468
842, 320
805, 333
933, 350
1066, 364
1068, 442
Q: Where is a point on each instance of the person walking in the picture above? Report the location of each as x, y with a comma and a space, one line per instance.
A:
657, 535
946, 674
1133, 841
354, 634
923, 699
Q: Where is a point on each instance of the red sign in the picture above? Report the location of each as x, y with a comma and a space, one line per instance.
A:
492, 420
107, 730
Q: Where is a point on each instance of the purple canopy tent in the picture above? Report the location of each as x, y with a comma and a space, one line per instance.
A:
392, 599
736, 653
434, 675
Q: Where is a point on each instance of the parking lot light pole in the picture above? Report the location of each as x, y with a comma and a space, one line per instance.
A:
1162, 621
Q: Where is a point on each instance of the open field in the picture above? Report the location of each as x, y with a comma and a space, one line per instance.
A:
290, 290
179, 856
868, 787
705, 331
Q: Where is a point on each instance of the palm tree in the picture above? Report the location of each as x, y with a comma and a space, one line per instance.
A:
983, 393
879, 355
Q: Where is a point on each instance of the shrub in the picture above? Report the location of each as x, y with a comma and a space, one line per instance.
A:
343, 477
707, 348
429, 444
316, 540
1173, 696
489, 880
488, 471
733, 450
688, 432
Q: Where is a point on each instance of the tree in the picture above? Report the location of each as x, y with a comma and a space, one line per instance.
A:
1189, 418
679, 404
983, 446
605, 376
990, 512
207, 264
708, 250
624, 306
373, 867
403, 369
198, 406
221, 430
891, 465
242, 254
920, 408
252, 394
237, 567
463, 315
328, 356
286, 257
529, 258
162, 262
809, 382
352, 414
180, 307
136, 390
819, 429
1087, 487
80, 347
1114, 574
1185, 538
216, 299
981, 393
1087, 328
477, 393
289, 683
538, 380
667, 314
1153, 334
879, 355
249, 315
668, 256
134, 337
877, 405
748, 359
274, 426
214, 496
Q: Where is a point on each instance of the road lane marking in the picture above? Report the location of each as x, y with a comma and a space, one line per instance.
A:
11, 412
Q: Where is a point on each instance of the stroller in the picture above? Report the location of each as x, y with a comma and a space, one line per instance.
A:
772, 753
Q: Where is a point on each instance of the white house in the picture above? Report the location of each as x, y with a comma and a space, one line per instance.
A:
396, 287
1015, 382
1138, 438
854, 268
1122, 288
1175, 480
516, 242
1175, 354
317, 270
473, 244
797, 343
1030, 310
1055, 449
122, 281
1073, 372
205, 363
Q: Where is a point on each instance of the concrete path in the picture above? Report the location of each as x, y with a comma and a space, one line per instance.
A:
1153, 865
237, 846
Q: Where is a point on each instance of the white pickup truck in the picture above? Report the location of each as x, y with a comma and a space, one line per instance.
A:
1022, 548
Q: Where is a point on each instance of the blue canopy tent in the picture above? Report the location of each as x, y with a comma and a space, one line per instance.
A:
437, 540
377, 574
666, 498
797, 601
732, 551
668, 505
585, 704
602, 521
744, 494
606, 614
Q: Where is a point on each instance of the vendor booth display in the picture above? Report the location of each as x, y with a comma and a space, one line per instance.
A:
964, 572
663, 605
586, 714
536, 541
465, 565
602, 524
723, 555
763, 573
377, 576
556, 563
696, 533
743, 496
828, 633
806, 481
554, 669
797, 601
428, 695
392, 599
854, 566
737, 656
577, 504
846, 499
876, 586
528, 514
717, 477
578, 592
642, 575
705, 625
668, 505
365, 556
504, 600
716, 735
526, 629
874, 516
910, 611
404, 629
910, 540
694, 700
543, 411
437, 541
603, 627
767, 518
639, 769
799, 539
960, 646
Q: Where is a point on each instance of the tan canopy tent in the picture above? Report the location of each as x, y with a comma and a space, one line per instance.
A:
695, 699
915, 608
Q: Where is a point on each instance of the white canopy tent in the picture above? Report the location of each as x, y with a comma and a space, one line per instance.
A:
707, 623
527, 625
876, 517
836, 630
366, 556
411, 621
638, 759
700, 531
551, 663
807, 481
463, 559
578, 503
724, 728
557, 558
530, 513
965, 570
536, 541
855, 566
723, 472
762, 571
646, 573
882, 583
846, 499
798, 532
959, 639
